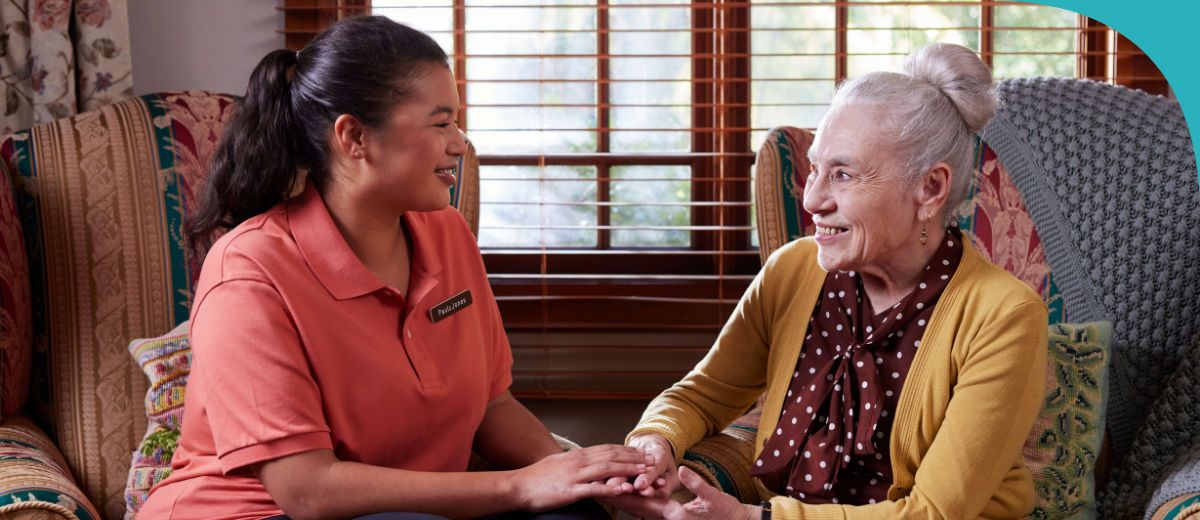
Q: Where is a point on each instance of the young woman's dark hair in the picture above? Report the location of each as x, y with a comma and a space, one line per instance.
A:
361, 66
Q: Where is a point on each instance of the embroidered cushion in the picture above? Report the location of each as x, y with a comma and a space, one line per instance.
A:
1062, 449
166, 360
34, 479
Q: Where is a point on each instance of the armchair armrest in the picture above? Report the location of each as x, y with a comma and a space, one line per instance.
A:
34, 479
1178, 497
724, 459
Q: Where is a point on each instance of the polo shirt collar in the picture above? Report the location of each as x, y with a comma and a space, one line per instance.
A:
426, 265
334, 263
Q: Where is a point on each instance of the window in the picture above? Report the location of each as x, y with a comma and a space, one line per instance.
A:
617, 137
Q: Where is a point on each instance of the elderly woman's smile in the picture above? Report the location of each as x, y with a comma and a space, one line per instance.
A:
825, 234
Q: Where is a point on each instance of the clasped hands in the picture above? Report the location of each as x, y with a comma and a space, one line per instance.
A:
604, 473
650, 493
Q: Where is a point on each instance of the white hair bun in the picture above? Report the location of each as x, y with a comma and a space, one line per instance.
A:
959, 73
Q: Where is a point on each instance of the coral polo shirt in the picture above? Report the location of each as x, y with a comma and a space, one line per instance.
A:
297, 347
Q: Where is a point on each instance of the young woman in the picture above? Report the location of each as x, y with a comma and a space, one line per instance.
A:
348, 351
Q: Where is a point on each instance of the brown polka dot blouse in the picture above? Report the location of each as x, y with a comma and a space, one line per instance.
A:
831, 441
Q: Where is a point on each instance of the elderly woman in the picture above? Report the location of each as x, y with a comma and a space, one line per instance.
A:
902, 370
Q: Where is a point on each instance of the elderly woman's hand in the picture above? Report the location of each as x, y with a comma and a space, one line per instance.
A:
710, 503
659, 480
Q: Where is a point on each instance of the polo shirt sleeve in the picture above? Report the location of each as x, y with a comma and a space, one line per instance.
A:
260, 396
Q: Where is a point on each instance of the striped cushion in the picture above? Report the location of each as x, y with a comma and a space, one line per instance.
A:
34, 477
464, 195
780, 171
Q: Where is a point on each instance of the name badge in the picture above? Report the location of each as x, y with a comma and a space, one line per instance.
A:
452, 305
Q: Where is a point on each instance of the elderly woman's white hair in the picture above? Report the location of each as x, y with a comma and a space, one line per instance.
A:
933, 110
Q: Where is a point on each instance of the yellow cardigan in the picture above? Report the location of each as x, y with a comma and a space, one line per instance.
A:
968, 403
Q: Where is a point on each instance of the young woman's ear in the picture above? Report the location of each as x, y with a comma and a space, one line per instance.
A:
349, 139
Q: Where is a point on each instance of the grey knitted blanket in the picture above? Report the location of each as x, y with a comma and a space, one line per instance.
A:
1167, 452
1109, 177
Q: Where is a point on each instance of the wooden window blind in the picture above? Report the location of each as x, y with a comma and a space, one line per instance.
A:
616, 142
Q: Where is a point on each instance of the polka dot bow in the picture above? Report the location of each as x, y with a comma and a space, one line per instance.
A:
837, 411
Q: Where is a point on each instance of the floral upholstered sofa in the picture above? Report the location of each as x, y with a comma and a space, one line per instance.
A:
92, 256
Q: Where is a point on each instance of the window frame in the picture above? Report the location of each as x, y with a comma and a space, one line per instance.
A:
724, 262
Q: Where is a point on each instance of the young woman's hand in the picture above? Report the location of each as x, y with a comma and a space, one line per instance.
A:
568, 477
660, 479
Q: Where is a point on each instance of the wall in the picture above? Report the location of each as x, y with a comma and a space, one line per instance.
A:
200, 44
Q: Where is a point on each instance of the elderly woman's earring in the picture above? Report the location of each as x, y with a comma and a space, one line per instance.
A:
924, 236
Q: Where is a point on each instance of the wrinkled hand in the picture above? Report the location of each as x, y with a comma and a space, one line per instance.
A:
710, 503
569, 477
660, 479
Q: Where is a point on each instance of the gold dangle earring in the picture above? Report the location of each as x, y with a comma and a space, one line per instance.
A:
924, 236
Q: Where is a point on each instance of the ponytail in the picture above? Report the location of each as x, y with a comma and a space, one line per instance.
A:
362, 66
255, 164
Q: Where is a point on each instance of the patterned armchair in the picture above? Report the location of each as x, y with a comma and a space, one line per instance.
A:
1086, 192
92, 256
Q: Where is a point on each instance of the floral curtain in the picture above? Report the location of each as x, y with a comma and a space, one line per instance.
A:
61, 57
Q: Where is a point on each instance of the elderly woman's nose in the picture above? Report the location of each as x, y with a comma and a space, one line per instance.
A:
816, 195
